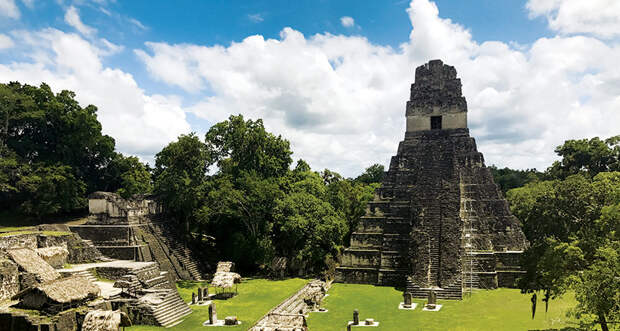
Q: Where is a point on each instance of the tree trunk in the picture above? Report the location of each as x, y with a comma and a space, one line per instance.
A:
603, 322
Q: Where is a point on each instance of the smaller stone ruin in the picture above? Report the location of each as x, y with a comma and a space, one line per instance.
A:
224, 279
290, 315
58, 295
136, 229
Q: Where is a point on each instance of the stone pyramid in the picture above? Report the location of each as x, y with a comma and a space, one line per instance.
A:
438, 221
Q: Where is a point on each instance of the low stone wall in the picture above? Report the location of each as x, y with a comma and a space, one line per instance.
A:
104, 235
120, 252
290, 313
78, 250
18, 241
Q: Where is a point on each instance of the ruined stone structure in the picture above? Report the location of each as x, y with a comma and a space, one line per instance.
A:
438, 220
134, 229
290, 315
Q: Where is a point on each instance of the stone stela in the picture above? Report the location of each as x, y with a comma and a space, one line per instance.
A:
438, 221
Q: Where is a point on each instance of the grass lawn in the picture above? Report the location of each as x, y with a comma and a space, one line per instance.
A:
47, 233
256, 297
502, 309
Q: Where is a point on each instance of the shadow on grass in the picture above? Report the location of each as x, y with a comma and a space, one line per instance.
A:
15, 219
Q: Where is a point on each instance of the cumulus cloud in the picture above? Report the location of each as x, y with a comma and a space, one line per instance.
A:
141, 123
72, 17
347, 21
5, 41
9, 9
597, 17
340, 100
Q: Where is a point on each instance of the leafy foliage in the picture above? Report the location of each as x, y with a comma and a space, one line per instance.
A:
53, 153
508, 179
255, 206
179, 177
50, 189
573, 225
586, 156
372, 174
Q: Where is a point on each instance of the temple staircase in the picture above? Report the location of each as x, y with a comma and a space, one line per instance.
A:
171, 309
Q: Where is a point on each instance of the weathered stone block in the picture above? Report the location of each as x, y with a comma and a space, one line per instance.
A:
9, 279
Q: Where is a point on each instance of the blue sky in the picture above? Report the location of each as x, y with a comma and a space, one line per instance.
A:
334, 83
131, 23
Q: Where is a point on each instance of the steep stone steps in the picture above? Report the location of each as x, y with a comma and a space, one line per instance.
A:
181, 252
171, 309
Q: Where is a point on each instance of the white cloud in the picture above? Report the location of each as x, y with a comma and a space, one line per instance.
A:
347, 21
256, 18
110, 48
140, 123
72, 17
137, 23
596, 17
9, 9
341, 100
5, 41
28, 3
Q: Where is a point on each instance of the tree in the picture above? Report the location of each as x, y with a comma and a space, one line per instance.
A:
597, 287
570, 224
238, 212
309, 229
49, 145
242, 193
49, 128
51, 190
587, 156
131, 176
179, 177
508, 179
349, 198
238, 145
373, 174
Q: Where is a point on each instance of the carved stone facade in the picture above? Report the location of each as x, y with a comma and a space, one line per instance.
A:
437, 207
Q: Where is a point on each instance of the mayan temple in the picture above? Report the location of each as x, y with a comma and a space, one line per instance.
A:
438, 221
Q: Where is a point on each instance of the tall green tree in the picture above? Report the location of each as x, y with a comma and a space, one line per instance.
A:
251, 163
179, 178
48, 128
244, 145
308, 228
571, 225
49, 190
51, 150
586, 156
128, 176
